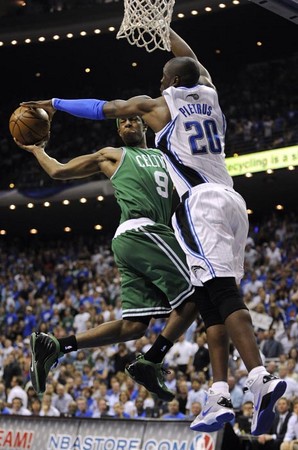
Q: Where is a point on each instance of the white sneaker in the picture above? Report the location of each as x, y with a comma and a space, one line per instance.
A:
217, 410
267, 389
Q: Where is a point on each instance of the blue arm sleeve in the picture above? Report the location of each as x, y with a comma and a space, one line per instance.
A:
88, 108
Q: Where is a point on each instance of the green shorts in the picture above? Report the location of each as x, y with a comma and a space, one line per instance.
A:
154, 276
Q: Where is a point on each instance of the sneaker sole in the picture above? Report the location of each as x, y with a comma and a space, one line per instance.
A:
35, 379
33, 368
161, 394
266, 416
214, 426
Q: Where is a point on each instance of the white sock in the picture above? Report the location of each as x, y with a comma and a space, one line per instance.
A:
259, 370
220, 387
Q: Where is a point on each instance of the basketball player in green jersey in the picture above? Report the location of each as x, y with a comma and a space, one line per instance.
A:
154, 276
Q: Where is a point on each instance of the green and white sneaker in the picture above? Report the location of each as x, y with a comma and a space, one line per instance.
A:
151, 376
45, 351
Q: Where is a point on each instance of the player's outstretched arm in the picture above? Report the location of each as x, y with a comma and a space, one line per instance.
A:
79, 167
180, 48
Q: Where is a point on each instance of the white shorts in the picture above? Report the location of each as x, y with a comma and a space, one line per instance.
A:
211, 225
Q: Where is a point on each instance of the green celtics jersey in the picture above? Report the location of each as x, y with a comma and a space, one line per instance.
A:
142, 185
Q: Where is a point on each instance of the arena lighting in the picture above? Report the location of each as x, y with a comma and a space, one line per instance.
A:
249, 211
134, 64
12, 207
83, 33
87, 70
291, 168
83, 200
217, 51
11, 185
259, 44
67, 229
30, 205
269, 171
248, 175
100, 198
65, 202
2, 232
33, 231
279, 207
46, 204
56, 37
98, 227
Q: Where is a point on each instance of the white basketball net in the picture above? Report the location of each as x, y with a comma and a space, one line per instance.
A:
146, 23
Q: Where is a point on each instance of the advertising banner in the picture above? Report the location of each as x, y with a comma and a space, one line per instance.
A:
47, 433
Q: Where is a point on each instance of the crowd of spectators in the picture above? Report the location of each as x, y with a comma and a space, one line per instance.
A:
68, 286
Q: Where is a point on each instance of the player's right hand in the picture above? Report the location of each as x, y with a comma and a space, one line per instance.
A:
44, 104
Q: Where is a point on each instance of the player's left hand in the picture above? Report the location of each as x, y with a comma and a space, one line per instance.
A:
39, 146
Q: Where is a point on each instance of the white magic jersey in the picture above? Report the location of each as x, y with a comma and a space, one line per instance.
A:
193, 142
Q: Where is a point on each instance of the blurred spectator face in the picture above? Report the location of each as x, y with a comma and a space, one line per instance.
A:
16, 405
102, 405
72, 408
49, 389
115, 385
139, 402
271, 367
119, 409
196, 385
60, 390
35, 407
123, 397
195, 408
81, 404
282, 405
247, 409
173, 407
295, 407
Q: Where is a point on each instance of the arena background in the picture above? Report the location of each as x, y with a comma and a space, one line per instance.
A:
225, 40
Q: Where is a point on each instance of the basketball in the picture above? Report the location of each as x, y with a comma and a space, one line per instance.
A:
28, 125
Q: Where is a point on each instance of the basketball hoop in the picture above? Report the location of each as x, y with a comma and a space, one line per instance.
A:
146, 23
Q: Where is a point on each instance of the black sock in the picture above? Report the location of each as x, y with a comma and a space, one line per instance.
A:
158, 350
68, 344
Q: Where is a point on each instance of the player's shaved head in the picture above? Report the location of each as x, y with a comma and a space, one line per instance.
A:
186, 70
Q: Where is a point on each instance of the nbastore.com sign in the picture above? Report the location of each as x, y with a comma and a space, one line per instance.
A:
48, 433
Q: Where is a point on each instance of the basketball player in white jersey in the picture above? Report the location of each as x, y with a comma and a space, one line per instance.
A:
211, 225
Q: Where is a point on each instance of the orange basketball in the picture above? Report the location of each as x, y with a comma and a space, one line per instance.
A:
29, 125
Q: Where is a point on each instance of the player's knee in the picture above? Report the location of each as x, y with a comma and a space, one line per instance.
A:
135, 328
225, 296
207, 310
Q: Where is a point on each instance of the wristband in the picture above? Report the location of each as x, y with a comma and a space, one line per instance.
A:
89, 108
